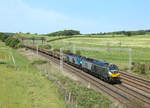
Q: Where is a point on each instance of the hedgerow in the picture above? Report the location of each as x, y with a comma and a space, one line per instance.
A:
13, 42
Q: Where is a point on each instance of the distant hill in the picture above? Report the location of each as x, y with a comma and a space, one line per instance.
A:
127, 33
9, 34
64, 33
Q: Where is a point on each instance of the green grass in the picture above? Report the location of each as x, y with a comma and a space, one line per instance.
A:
37, 62
139, 44
80, 95
22, 86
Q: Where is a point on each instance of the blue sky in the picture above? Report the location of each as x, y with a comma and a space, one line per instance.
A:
87, 16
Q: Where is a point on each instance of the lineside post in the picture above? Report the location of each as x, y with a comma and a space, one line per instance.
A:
37, 48
130, 59
74, 48
61, 59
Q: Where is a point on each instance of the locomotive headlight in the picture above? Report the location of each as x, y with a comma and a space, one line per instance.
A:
110, 73
80, 62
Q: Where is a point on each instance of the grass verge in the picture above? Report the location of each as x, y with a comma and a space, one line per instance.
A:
21, 85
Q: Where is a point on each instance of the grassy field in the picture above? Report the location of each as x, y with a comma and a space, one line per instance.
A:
140, 48
21, 85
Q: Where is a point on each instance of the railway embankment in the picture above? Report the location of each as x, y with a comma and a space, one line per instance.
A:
21, 86
75, 93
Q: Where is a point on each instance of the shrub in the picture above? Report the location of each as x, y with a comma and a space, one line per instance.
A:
66, 51
13, 42
142, 68
2, 62
84, 97
3, 37
78, 52
45, 46
57, 50
39, 62
65, 33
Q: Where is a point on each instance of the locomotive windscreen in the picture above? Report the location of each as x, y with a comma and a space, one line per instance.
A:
113, 67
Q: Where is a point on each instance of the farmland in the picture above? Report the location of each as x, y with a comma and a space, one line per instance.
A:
139, 44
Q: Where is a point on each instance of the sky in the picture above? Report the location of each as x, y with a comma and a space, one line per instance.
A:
87, 16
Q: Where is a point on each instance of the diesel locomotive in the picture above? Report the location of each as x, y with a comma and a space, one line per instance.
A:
102, 70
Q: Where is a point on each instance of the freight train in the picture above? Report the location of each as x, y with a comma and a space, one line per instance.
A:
107, 72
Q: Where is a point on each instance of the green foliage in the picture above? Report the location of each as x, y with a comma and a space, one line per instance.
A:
66, 51
78, 52
85, 98
142, 68
3, 37
28, 33
22, 86
127, 33
56, 50
64, 33
45, 46
13, 42
2, 62
39, 62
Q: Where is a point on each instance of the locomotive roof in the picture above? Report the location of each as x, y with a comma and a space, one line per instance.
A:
73, 54
98, 62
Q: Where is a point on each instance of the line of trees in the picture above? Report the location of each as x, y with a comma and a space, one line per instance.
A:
65, 33
10, 40
127, 33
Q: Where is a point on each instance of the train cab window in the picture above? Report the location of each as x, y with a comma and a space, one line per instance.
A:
73, 60
113, 67
67, 58
86, 64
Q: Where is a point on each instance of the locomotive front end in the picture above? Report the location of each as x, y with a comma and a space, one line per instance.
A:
114, 73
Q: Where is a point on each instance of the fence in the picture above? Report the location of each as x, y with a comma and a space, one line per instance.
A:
47, 70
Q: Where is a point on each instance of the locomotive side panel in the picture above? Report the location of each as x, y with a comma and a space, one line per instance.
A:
86, 65
100, 71
73, 59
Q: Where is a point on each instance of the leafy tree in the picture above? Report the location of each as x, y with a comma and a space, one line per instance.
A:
128, 33
28, 33
3, 37
13, 42
64, 33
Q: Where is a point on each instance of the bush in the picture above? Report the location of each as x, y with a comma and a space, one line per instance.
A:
38, 62
66, 51
45, 46
13, 42
142, 68
3, 37
65, 33
2, 62
57, 50
78, 52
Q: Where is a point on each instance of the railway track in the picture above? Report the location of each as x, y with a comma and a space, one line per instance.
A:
137, 85
136, 78
132, 87
102, 86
